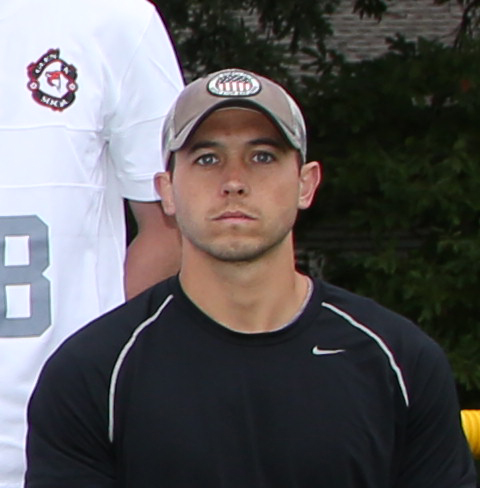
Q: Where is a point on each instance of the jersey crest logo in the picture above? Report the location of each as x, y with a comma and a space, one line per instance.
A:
234, 83
52, 81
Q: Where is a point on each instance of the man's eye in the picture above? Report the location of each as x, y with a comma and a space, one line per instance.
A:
264, 157
206, 160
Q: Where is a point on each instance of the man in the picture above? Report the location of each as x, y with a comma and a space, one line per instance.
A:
84, 90
242, 372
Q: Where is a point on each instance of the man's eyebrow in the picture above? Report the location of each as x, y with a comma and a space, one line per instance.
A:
201, 145
269, 141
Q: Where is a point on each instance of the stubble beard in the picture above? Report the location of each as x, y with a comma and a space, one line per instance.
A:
238, 250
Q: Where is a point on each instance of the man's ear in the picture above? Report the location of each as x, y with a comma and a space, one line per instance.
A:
163, 185
310, 177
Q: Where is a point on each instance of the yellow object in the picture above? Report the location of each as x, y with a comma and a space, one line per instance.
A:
471, 427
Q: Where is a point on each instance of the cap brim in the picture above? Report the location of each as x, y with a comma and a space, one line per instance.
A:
190, 128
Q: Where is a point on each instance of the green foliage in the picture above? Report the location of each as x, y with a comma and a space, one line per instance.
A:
261, 35
400, 141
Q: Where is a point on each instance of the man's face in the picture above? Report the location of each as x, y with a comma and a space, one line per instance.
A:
237, 186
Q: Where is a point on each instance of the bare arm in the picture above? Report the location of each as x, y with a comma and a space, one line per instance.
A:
154, 254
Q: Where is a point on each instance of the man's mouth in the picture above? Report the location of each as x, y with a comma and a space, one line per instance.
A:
234, 215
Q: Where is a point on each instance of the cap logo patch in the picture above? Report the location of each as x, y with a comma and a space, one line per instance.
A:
52, 81
234, 84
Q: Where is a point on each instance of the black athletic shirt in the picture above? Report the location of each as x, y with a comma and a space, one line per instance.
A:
155, 394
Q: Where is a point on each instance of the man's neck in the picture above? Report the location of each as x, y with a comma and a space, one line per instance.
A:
247, 297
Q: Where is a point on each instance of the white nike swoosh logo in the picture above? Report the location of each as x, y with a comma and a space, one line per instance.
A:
324, 352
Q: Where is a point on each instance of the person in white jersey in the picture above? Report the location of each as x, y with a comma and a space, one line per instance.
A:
84, 88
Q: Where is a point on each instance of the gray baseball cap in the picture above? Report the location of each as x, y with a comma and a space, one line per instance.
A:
232, 88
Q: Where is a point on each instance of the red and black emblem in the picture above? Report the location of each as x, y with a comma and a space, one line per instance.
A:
52, 81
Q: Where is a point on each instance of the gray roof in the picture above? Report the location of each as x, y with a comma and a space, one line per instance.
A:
365, 38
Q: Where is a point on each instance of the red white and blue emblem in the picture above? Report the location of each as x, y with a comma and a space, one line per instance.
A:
52, 81
234, 83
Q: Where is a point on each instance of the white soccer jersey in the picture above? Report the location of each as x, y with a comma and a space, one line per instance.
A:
84, 87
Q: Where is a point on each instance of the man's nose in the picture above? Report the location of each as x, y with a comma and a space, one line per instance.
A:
235, 181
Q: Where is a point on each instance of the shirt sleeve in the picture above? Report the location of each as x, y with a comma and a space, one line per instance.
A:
147, 90
435, 453
67, 442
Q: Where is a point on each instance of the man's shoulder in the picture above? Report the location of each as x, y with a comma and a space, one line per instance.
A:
371, 317
84, 366
412, 353
104, 337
